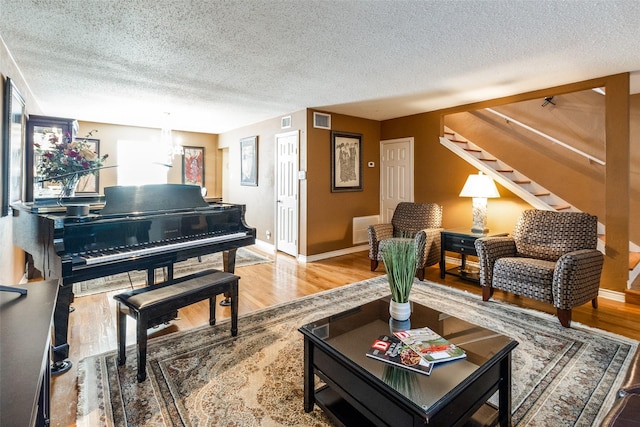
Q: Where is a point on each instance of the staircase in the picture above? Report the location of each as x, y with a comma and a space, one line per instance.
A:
525, 188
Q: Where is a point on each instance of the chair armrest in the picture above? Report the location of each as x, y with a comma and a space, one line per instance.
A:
376, 233
430, 255
576, 278
489, 250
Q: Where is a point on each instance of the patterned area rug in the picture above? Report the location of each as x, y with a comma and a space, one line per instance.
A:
135, 279
203, 377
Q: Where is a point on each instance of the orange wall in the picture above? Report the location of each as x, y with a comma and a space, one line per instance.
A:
440, 175
329, 215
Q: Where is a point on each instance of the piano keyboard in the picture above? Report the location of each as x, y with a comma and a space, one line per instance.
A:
126, 253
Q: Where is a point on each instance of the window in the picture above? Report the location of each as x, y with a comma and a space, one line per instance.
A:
141, 162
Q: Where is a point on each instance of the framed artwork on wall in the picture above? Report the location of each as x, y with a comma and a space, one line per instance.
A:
249, 161
13, 137
346, 162
193, 166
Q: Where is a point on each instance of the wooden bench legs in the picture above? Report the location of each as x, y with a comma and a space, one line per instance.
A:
153, 302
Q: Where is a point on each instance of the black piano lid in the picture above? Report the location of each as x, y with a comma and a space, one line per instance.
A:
151, 198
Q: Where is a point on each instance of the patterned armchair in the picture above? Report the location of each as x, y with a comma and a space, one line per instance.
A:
551, 257
423, 221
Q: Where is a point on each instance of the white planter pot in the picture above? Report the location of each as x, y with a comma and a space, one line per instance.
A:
400, 311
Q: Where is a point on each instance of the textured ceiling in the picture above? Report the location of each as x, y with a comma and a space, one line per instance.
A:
218, 65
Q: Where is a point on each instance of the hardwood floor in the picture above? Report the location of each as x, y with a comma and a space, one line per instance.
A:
92, 325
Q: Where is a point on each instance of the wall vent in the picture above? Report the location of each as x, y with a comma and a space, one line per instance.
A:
322, 121
285, 122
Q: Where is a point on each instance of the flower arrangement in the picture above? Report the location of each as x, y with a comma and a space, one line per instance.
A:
65, 160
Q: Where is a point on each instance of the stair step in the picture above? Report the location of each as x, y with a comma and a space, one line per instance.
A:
459, 141
504, 170
542, 194
522, 181
634, 259
561, 207
473, 150
489, 160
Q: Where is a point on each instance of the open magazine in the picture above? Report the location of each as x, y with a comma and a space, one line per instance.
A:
391, 350
430, 346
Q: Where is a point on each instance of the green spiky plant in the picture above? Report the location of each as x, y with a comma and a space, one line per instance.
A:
399, 256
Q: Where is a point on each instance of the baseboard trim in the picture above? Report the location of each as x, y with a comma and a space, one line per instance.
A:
325, 255
265, 247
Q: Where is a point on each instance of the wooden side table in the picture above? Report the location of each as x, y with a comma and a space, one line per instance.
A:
462, 241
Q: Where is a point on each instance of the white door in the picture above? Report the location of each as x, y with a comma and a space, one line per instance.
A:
287, 192
396, 175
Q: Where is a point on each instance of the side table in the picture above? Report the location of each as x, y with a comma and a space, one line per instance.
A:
462, 241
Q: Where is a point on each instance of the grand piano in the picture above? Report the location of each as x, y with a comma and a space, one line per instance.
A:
136, 228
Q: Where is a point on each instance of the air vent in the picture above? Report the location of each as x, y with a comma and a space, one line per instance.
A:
322, 121
285, 122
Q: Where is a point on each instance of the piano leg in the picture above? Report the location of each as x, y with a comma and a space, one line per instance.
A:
60, 345
229, 265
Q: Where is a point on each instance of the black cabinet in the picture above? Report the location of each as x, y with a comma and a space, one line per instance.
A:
461, 242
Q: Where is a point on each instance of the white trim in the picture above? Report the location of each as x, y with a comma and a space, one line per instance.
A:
265, 247
612, 295
325, 255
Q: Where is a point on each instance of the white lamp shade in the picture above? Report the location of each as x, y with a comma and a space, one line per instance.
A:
479, 185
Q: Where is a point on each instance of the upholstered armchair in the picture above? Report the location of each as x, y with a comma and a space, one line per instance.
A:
550, 257
419, 221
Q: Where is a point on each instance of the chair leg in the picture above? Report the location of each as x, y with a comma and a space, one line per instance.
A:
374, 264
487, 293
212, 310
141, 338
565, 317
420, 274
594, 302
121, 332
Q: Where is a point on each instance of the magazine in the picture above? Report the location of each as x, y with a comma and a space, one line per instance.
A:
431, 346
391, 350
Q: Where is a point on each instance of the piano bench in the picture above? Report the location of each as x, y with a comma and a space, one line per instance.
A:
159, 300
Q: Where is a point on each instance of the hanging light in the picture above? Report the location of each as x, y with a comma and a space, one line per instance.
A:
173, 147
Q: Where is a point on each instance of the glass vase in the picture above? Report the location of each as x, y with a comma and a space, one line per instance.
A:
68, 185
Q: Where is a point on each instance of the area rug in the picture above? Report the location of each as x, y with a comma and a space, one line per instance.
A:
134, 279
204, 377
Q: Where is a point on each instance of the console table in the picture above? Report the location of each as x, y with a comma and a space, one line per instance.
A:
25, 335
461, 241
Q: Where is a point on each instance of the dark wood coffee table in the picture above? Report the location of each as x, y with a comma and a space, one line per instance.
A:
360, 391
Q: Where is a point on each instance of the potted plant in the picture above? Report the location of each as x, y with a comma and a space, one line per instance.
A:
399, 256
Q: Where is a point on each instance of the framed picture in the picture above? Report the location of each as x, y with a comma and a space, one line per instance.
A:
88, 184
346, 162
193, 166
249, 161
13, 137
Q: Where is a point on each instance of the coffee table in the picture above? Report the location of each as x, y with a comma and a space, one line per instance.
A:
360, 391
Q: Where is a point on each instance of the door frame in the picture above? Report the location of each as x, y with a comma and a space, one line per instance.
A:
295, 133
410, 140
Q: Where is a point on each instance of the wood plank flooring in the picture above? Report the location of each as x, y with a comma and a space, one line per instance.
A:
92, 325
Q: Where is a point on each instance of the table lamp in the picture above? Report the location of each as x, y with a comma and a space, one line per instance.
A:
480, 187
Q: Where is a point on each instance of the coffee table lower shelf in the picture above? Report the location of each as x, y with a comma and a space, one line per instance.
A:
339, 411
342, 414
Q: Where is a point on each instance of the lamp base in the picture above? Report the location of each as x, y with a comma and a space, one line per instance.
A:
475, 230
479, 215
